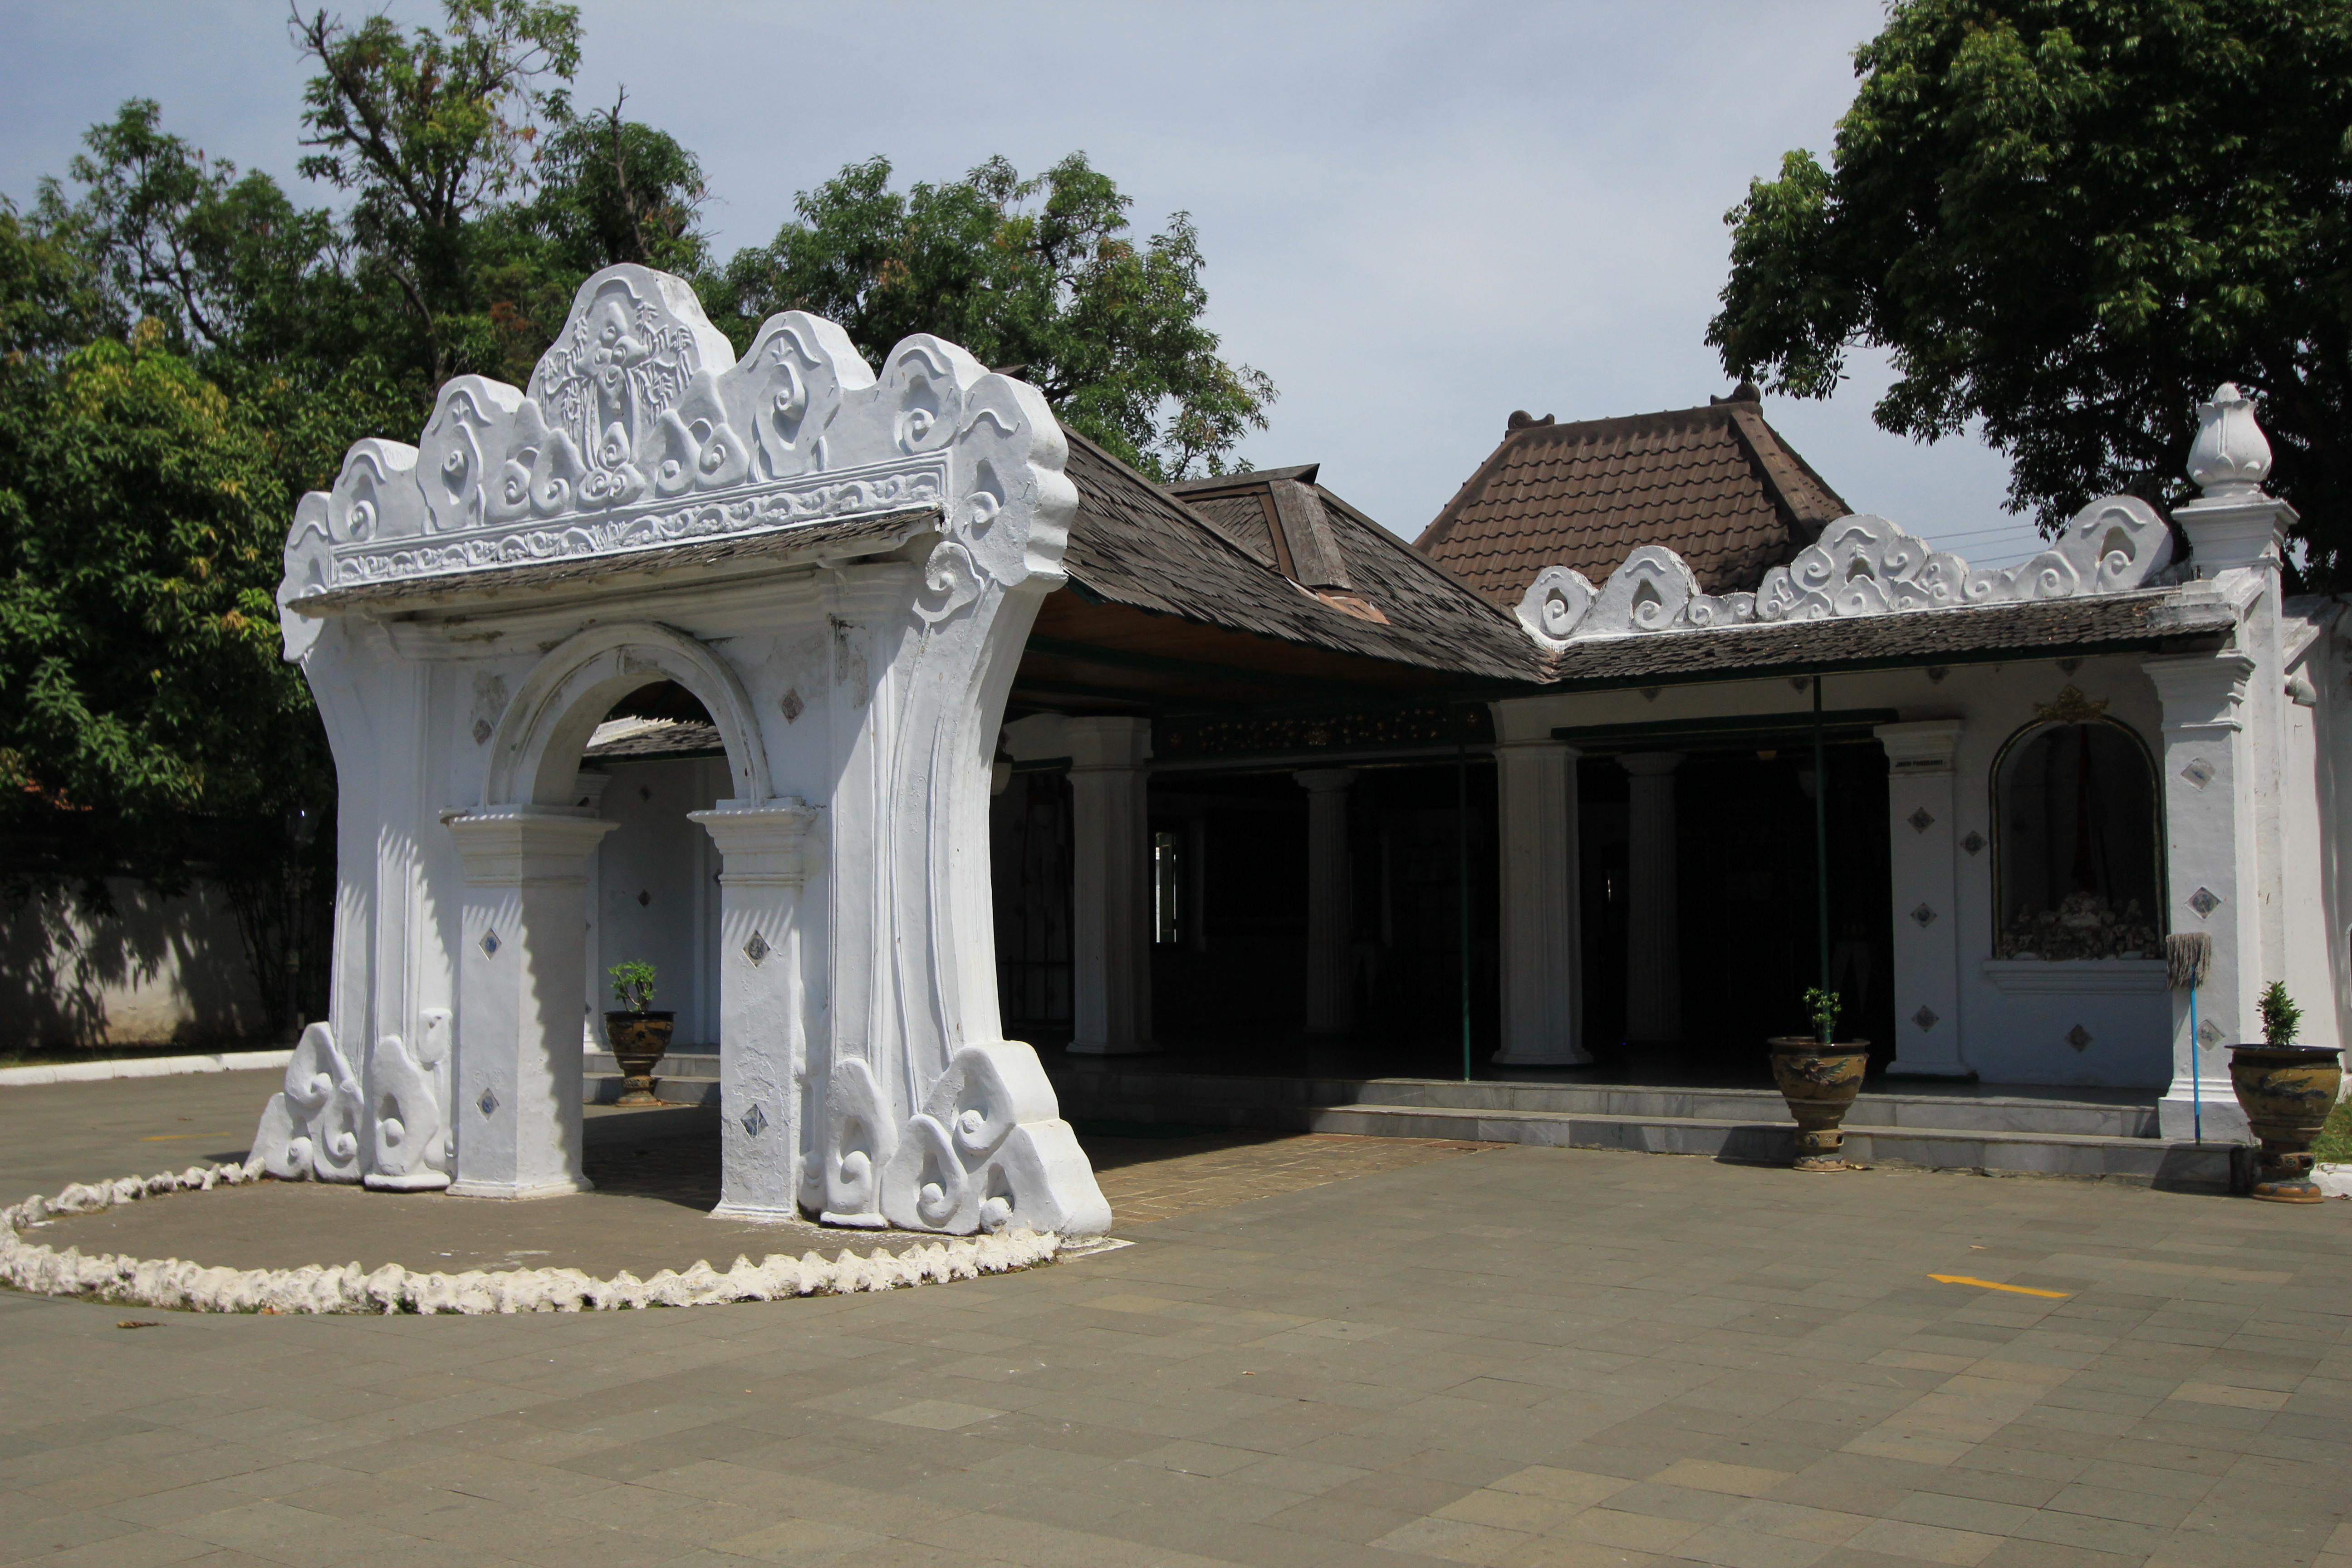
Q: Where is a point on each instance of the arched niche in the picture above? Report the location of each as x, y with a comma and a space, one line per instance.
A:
535, 750
2078, 842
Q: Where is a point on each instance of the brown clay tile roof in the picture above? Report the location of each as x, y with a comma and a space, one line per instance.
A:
1716, 485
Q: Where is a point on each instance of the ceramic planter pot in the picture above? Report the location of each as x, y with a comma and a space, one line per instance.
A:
639, 1040
2287, 1092
1819, 1082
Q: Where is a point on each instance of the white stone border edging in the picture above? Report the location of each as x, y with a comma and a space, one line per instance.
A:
144, 1066
169, 1282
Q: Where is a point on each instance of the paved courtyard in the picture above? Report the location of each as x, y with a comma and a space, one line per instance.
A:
1516, 1356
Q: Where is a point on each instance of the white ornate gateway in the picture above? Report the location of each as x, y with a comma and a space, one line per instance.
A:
843, 570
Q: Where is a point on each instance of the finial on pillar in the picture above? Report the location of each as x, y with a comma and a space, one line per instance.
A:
2230, 456
2234, 523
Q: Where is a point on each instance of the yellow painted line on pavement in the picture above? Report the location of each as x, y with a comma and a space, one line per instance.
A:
1995, 1285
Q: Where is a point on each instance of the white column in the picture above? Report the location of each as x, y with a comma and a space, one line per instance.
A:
1330, 916
1654, 968
1543, 944
2212, 880
763, 1034
1110, 940
2222, 717
1925, 881
589, 792
520, 971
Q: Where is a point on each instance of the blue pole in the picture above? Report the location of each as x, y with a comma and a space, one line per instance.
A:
2196, 1072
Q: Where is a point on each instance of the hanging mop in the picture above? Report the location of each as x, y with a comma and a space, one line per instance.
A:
2187, 958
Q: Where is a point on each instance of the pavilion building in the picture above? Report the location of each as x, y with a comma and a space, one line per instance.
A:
961, 777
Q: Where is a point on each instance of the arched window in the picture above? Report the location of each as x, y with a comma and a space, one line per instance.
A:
2075, 840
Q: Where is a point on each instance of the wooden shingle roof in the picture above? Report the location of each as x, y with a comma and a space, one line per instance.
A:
1153, 548
1716, 485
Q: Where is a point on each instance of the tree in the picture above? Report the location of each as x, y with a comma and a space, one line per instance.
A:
227, 266
1037, 273
606, 190
151, 722
613, 189
428, 131
2071, 219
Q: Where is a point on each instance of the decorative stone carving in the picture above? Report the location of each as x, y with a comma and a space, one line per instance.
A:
2084, 925
2070, 707
628, 438
859, 1141
2230, 456
1859, 566
1555, 604
989, 1151
311, 1129
410, 1140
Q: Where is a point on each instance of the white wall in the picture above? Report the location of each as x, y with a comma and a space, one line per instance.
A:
659, 877
2011, 1034
158, 971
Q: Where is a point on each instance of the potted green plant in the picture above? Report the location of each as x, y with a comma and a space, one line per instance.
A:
2286, 1091
639, 1036
1819, 1077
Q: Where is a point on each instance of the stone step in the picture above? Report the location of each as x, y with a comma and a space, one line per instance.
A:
1129, 1094
2147, 1160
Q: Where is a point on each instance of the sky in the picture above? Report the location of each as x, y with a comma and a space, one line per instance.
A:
1417, 217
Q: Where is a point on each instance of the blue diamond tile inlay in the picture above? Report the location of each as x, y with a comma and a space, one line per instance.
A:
488, 1103
755, 1121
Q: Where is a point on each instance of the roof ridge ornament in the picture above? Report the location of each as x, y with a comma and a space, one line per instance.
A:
1860, 566
2230, 456
641, 430
2235, 524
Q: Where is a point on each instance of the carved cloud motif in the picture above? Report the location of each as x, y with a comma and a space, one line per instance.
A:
640, 428
1859, 566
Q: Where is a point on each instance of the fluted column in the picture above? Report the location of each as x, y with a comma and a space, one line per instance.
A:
1110, 903
1653, 970
1542, 937
1330, 914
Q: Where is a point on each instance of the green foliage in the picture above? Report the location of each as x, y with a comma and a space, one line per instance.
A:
2071, 219
222, 263
427, 131
2282, 1019
141, 515
2333, 1144
1038, 273
50, 298
633, 985
1824, 1007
